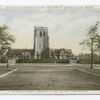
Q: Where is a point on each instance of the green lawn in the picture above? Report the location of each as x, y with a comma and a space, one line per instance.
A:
4, 70
96, 71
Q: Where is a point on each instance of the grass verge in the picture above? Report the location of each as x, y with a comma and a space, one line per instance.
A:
95, 71
5, 70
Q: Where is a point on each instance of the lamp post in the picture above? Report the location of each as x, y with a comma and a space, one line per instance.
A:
7, 62
23, 57
5, 53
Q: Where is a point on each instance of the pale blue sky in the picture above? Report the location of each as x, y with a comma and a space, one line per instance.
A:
67, 26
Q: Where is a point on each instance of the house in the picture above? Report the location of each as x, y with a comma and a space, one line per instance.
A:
63, 53
23, 53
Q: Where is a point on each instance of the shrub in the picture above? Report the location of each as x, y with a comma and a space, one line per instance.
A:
43, 61
63, 61
3, 60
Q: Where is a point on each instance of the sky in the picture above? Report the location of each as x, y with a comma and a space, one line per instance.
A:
67, 26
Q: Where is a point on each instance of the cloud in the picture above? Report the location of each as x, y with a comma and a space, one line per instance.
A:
67, 27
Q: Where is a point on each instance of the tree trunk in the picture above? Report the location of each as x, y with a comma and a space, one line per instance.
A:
99, 56
92, 54
91, 59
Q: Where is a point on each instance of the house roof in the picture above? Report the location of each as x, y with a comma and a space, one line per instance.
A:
66, 50
19, 51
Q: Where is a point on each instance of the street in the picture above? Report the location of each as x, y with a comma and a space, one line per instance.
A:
49, 77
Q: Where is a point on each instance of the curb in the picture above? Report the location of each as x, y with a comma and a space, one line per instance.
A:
89, 72
1, 76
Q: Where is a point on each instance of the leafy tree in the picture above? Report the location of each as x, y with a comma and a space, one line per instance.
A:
52, 54
91, 40
98, 45
6, 39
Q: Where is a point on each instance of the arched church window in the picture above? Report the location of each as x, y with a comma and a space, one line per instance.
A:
43, 33
40, 34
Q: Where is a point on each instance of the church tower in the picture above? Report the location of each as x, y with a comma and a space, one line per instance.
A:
41, 43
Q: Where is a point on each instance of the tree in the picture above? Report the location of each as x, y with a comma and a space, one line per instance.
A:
90, 42
52, 54
6, 39
98, 45
45, 53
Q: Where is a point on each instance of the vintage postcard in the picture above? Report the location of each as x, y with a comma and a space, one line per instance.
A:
50, 49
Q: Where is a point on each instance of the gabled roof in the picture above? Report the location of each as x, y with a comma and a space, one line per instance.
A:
66, 50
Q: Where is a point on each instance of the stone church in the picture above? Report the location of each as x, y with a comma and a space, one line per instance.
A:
41, 43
